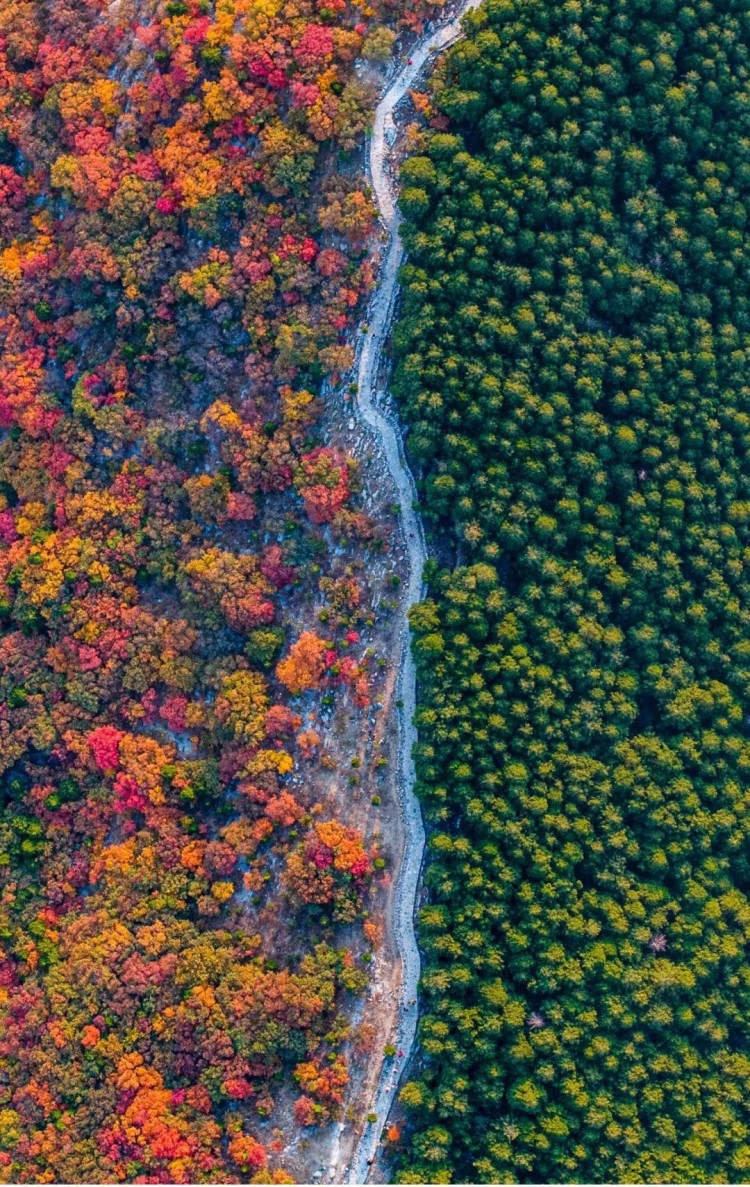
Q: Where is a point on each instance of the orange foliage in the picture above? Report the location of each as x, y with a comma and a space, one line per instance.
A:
325, 1084
247, 1152
305, 664
308, 742
177, 277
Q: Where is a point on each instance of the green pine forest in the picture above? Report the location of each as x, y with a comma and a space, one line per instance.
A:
573, 359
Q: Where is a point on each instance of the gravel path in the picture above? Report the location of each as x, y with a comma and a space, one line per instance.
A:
370, 347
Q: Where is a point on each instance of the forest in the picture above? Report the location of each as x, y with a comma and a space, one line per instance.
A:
573, 362
184, 249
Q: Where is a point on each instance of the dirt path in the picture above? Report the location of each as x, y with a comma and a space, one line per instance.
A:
370, 347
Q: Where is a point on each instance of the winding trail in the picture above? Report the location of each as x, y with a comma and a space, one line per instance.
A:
369, 350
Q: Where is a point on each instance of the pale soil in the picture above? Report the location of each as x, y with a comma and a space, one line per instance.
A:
349, 1150
392, 1003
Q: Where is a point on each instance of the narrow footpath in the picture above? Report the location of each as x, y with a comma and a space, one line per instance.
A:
369, 350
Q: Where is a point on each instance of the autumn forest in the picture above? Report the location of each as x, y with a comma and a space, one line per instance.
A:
189, 581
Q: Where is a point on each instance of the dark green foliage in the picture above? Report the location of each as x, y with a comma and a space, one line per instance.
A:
263, 646
573, 360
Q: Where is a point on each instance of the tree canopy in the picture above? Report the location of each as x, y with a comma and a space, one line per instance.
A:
184, 235
572, 358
